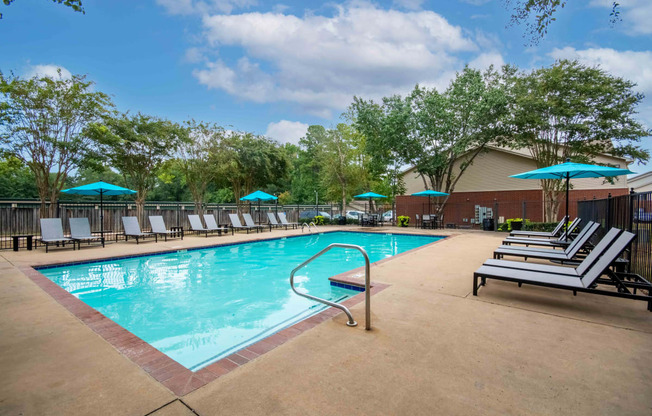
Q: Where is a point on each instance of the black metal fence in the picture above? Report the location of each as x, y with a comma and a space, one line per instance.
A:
631, 212
21, 218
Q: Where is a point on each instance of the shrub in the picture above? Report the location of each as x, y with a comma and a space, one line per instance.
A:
507, 225
403, 220
540, 226
319, 220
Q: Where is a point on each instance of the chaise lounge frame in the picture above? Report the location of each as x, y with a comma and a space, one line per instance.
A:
627, 284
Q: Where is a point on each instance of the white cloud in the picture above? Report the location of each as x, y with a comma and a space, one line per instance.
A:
49, 70
484, 60
631, 65
408, 4
185, 7
476, 2
320, 62
636, 15
194, 55
286, 131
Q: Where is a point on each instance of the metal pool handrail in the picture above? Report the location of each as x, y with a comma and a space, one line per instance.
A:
308, 225
367, 284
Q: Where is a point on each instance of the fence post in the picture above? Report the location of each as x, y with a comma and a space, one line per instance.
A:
630, 200
524, 211
634, 245
495, 216
608, 213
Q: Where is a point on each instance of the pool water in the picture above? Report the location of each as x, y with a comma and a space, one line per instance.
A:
198, 306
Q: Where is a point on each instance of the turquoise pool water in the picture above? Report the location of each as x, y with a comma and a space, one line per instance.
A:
198, 306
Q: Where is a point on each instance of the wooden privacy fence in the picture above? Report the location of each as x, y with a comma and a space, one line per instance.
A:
22, 217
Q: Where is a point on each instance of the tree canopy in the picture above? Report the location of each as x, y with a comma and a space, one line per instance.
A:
570, 110
75, 5
439, 134
538, 15
44, 123
137, 146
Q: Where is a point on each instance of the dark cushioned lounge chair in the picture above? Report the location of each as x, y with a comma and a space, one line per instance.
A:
590, 281
569, 253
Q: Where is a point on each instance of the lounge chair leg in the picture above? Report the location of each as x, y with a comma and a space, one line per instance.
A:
475, 284
520, 284
574, 292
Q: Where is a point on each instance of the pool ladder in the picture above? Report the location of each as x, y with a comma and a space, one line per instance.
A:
308, 225
367, 284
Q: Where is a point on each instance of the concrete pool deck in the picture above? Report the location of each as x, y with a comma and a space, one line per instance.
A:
434, 348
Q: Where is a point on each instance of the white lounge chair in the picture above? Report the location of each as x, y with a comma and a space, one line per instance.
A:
211, 224
273, 222
249, 222
52, 233
198, 227
236, 224
159, 228
132, 229
80, 230
284, 221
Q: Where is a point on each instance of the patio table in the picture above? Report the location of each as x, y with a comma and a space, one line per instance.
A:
16, 239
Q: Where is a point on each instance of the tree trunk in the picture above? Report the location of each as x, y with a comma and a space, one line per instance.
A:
551, 199
199, 207
140, 208
54, 197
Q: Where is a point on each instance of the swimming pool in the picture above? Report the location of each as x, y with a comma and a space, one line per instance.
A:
198, 306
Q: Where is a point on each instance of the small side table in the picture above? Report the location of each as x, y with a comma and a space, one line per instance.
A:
28, 239
178, 231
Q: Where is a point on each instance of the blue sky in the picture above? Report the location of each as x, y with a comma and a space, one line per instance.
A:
276, 67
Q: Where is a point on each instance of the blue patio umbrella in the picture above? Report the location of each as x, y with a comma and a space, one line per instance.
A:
258, 196
569, 170
370, 195
429, 193
99, 188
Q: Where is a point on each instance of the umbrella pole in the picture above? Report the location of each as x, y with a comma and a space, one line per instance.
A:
102, 217
566, 220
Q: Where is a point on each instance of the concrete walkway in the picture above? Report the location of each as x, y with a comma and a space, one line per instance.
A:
434, 349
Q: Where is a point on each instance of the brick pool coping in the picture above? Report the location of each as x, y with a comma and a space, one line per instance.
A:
177, 378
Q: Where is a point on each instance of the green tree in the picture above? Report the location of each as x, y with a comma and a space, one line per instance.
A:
249, 161
16, 179
137, 146
306, 168
440, 134
76, 5
199, 159
342, 172
170, 183
570, 110
43, 122
538, 15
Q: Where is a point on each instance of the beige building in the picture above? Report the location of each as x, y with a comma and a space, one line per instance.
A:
486, 189
641, 182
490, 171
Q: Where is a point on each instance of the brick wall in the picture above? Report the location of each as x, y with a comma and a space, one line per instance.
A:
510, 204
